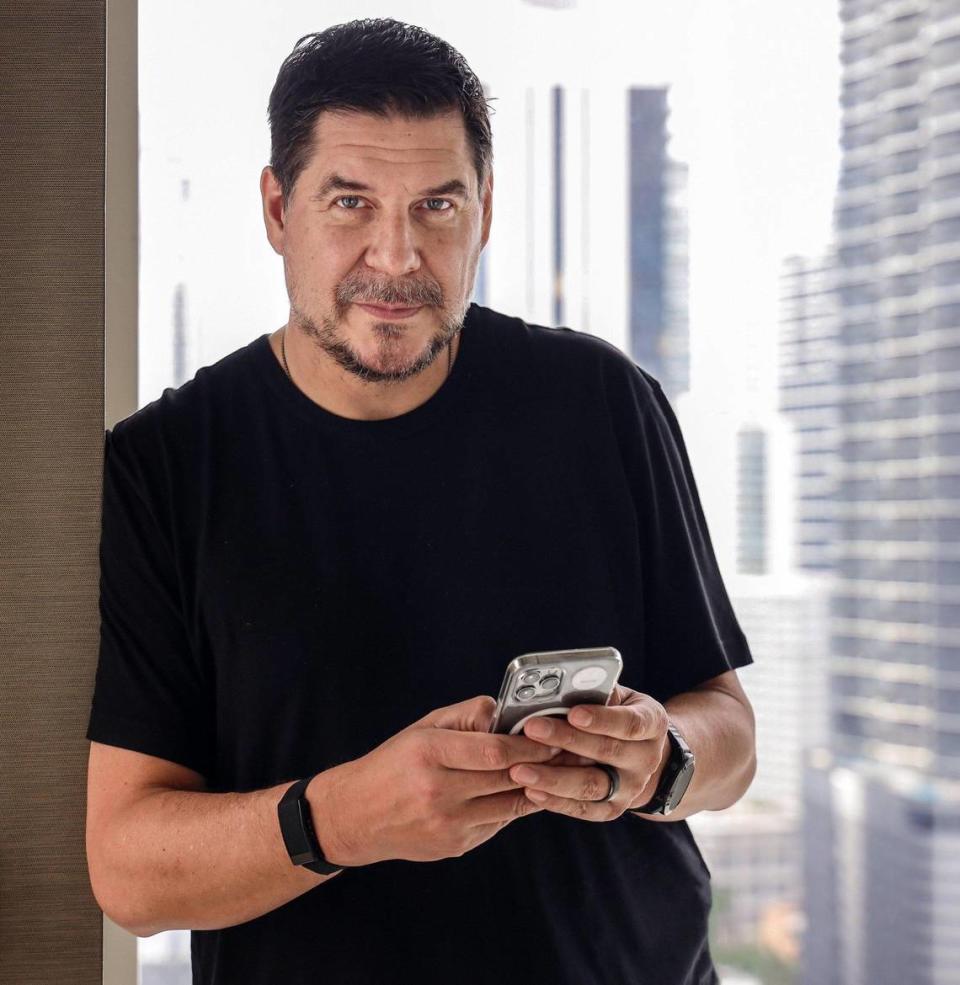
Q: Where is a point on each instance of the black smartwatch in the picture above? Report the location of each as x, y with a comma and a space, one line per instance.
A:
675, 778
296, 825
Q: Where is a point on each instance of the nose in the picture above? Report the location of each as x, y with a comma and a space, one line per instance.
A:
394, 249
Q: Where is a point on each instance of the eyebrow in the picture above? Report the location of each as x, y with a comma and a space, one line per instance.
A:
336, 182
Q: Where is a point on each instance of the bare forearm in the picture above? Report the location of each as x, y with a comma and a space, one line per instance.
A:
180, 859
720, 731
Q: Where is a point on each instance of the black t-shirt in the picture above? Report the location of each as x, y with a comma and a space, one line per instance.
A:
282, 589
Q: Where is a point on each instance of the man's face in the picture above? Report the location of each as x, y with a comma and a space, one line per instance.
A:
411, 237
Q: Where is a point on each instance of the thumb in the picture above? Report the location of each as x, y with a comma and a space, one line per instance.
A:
472, 715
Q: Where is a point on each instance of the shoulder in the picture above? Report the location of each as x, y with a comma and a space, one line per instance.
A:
573, 357
179, 411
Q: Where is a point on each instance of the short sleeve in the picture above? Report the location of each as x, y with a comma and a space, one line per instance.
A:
150, 693
691, 631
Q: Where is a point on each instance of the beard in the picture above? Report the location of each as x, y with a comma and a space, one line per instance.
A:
394, 368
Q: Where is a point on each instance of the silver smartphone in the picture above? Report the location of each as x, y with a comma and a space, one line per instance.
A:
554, 681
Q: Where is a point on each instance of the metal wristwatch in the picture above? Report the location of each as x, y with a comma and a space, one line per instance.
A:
296, 825
675, 778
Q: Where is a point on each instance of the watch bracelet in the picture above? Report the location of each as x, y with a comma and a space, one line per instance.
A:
297, 792
657, 802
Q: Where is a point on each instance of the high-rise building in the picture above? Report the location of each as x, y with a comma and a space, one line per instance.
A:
659, 329
752, 500
675, 338
808, 399
897, 607
882, 899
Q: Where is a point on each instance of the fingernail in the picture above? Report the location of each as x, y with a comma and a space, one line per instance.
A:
538, 728
554, 750
537, 795
580, 716
523, 774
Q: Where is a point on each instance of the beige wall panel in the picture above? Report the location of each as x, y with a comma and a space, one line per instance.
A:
52, 310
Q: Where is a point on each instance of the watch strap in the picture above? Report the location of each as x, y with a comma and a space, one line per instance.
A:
299, 836
679, 754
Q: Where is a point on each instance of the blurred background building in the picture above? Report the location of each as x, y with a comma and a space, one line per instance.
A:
881, 808
659, 323
808, 399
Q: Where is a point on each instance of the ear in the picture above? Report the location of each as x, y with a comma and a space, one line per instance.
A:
273, 210
487, 209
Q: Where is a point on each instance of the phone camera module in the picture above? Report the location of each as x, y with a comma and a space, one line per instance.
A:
550, 684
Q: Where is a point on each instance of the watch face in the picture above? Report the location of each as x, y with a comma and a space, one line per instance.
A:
683, 781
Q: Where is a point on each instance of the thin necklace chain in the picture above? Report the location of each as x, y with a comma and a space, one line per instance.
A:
286, 368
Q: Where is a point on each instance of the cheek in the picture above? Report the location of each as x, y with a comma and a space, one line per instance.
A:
318, 265
452, 258
332, 250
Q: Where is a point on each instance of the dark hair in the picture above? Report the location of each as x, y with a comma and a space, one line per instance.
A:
379, 66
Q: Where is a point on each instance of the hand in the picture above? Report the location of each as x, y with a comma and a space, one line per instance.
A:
629, 732
436, 789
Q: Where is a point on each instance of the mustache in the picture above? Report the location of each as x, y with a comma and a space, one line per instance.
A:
408, 293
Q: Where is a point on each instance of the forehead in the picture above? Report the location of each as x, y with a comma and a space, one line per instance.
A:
340, 137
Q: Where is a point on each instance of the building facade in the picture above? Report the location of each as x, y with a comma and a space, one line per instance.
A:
879, 909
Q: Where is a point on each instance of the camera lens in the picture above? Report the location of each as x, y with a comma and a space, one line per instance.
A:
550, 684
526, 693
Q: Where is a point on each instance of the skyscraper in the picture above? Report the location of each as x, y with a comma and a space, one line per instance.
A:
659, 329
752, 500
883, 897
808, 398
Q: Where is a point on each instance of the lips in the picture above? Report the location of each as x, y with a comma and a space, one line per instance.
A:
386, 311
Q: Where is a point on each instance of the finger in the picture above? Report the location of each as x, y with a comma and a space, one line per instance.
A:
641, 718
483, 750
482, 783
498, 808
564, 758
600, 748
620, 695
583, 810
472, 715
573, 782
471, 784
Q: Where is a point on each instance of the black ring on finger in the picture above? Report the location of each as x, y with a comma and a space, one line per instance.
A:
614, 775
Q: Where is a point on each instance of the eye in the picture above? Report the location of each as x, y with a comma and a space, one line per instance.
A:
443, 201
348, 198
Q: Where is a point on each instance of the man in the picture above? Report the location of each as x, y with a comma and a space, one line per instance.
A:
319, 555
